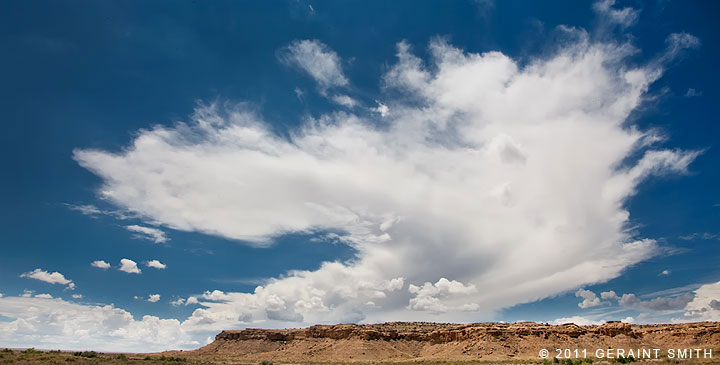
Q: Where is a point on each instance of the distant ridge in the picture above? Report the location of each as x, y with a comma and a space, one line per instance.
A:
424, 341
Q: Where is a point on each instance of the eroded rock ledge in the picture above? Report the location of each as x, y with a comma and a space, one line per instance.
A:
423, 341
442, 333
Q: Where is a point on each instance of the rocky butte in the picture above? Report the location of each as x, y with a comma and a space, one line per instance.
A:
424, 341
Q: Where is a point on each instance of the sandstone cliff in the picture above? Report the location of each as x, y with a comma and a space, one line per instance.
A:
421, 341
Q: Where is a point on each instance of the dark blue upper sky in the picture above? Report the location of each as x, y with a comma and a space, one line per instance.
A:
90, 74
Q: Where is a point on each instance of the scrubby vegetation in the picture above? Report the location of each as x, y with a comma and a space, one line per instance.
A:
33, 356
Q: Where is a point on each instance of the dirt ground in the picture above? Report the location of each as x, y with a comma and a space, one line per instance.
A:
90, 357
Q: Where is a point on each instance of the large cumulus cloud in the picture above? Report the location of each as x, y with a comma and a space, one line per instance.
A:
504, 178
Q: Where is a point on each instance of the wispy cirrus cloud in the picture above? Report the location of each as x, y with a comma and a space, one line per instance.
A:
624, 17
317, 60
148, 233
322, 64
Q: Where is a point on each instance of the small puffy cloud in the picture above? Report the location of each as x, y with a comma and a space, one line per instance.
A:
624, 17
153, 298
609, 295
77, 296
100, 264
129, 266
43, 296
590, 299
216, 295
664, 273
318, 60
178, 302
191, 300
155, 264
48, 277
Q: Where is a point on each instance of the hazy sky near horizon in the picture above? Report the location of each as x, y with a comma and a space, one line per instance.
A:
173, 169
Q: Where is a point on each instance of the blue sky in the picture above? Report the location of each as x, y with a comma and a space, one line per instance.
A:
360, 161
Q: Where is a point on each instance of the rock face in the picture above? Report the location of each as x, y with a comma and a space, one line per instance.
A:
422, 341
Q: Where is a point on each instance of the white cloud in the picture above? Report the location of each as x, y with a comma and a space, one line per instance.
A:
344, 100
429, 296
609, 295
155, 264
43, 296
148, 233
578, 320
86, 209
129, 266
624, 17
100, 264
414, 198
381, 109
704, 306
183, 301
318, 60
153, 298
55, 323
660, 303
299, 93
590, 299
77, 296
93, 211
699, 236
664, 273
48, 277
691, 93
656, 304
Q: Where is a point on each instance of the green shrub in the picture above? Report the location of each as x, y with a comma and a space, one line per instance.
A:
121, 357
31, 351
170, 358
624, 360
7, 350
88, 354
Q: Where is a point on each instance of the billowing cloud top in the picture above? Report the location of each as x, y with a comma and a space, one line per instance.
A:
487, 184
